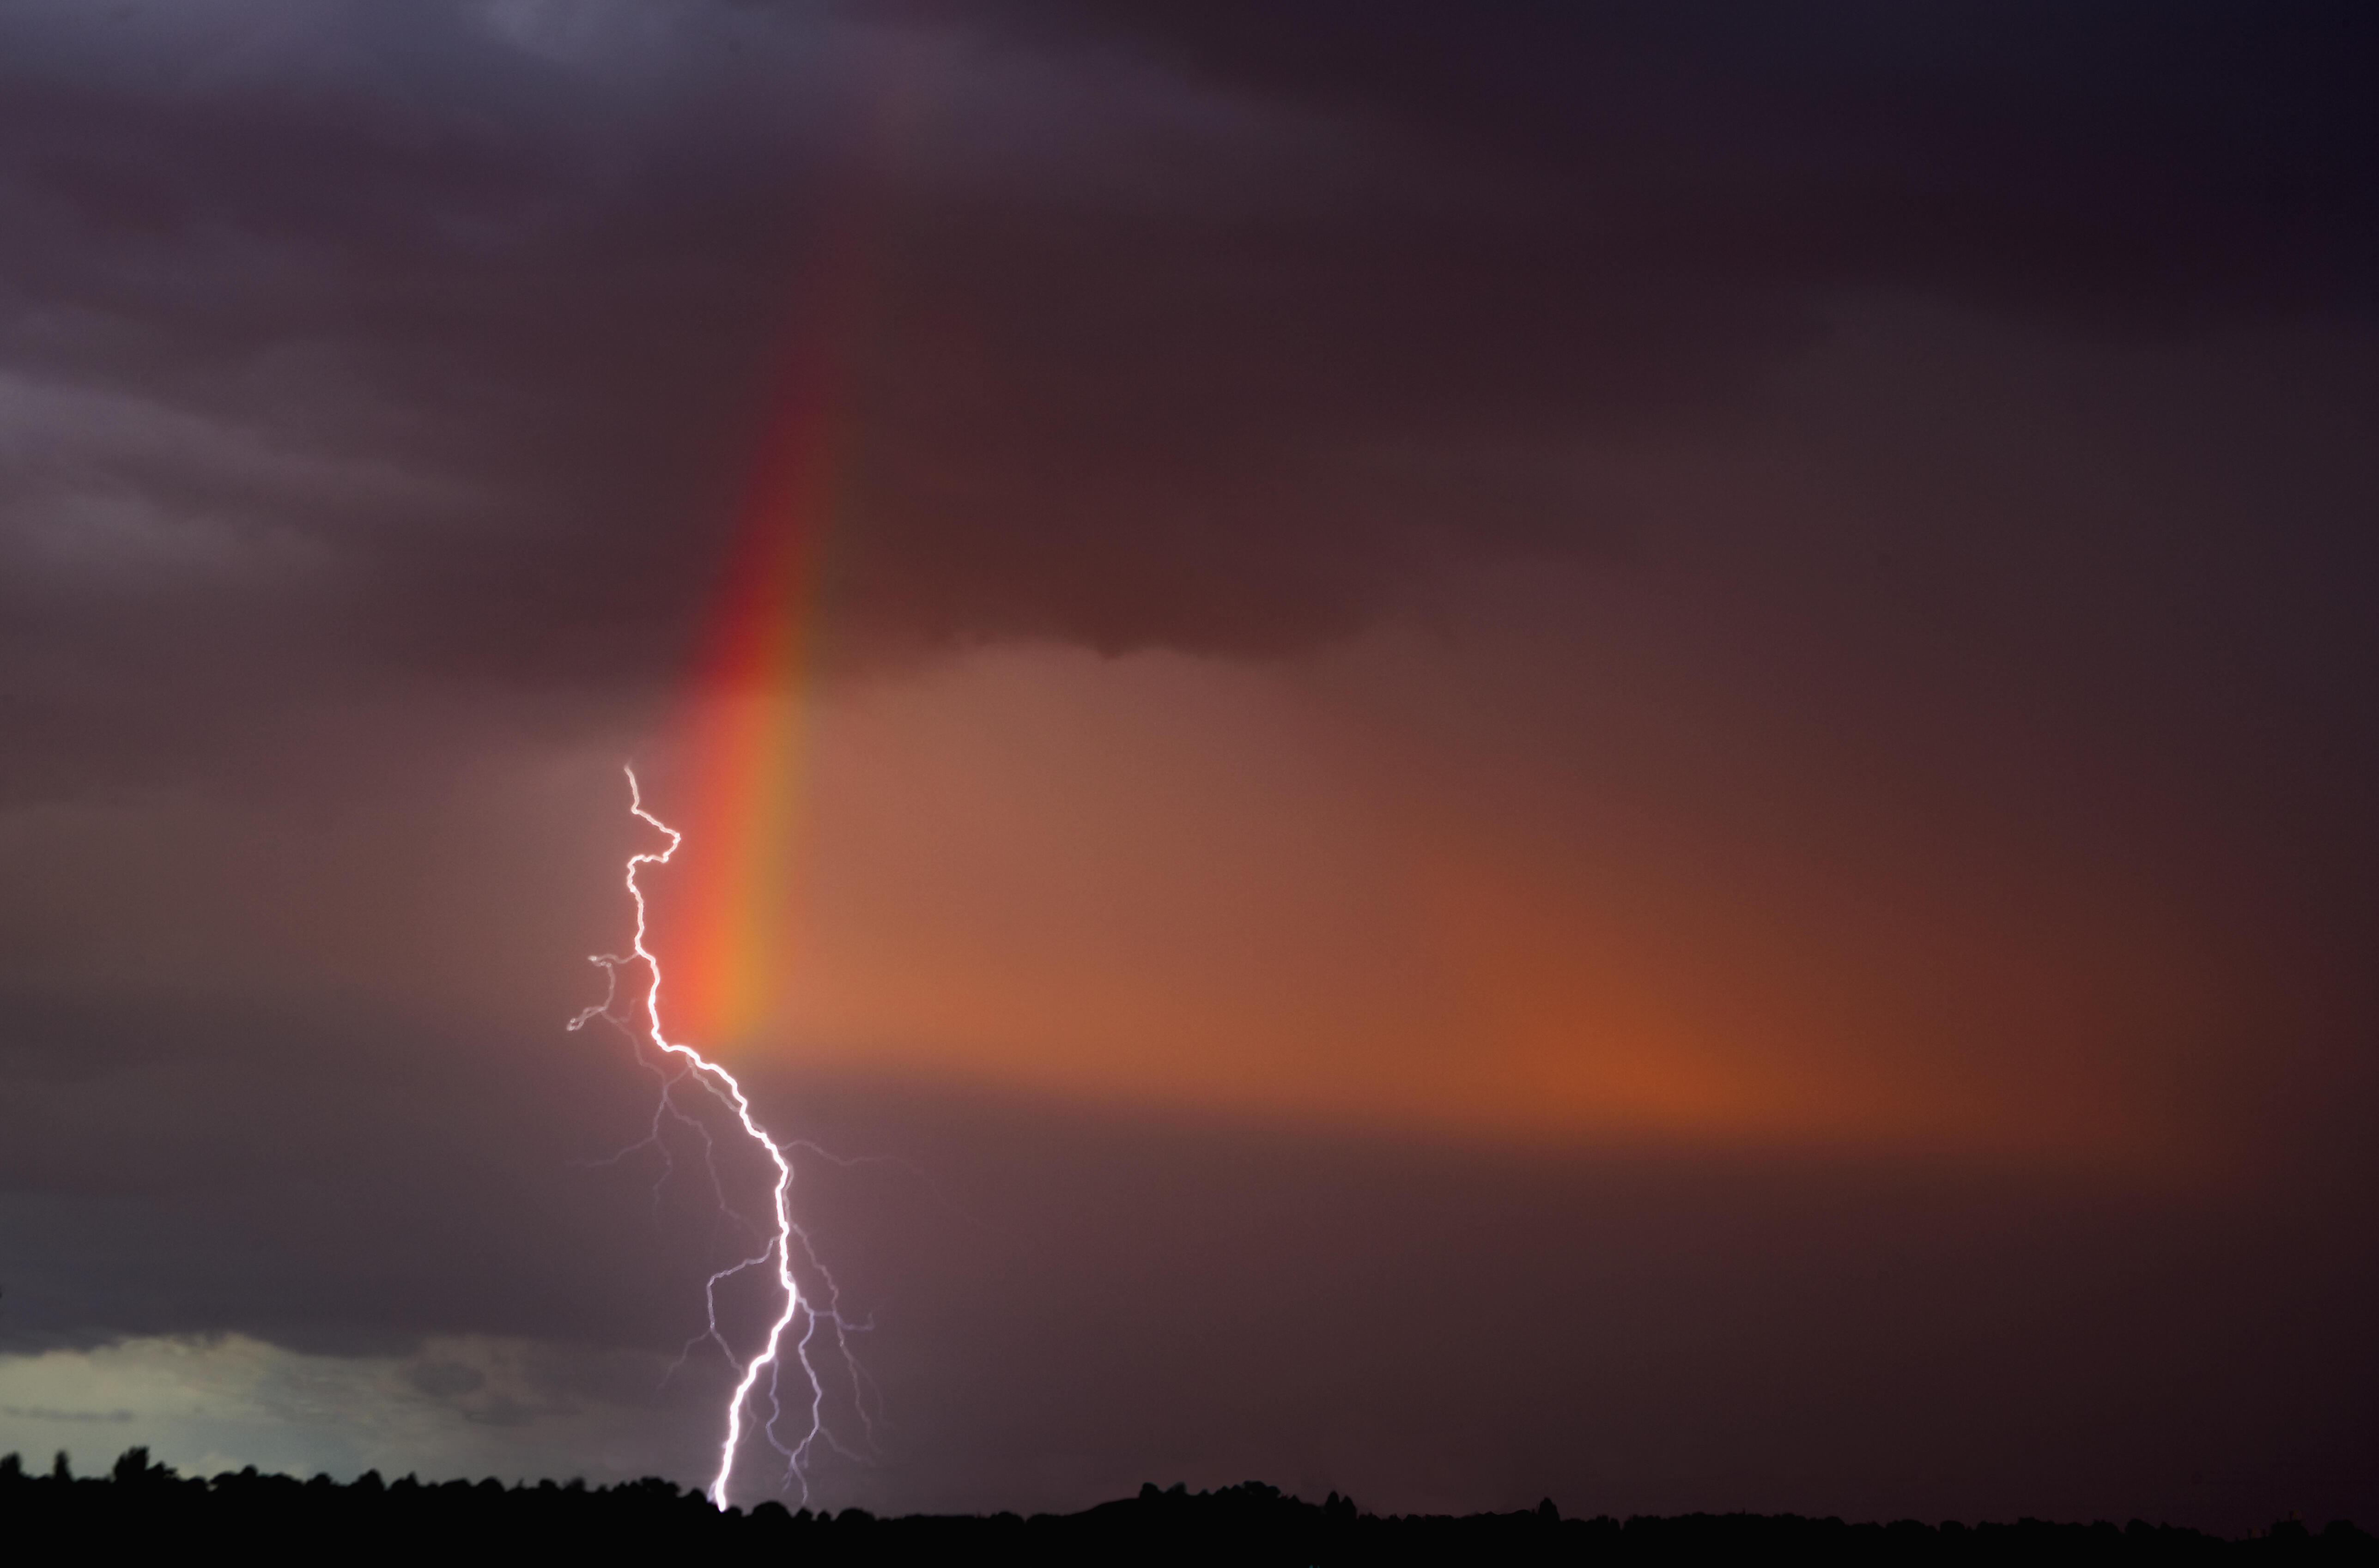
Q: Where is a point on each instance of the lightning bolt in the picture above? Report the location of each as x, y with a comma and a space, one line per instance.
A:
777, 1253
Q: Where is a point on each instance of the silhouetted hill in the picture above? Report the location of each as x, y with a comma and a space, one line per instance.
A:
145, 1506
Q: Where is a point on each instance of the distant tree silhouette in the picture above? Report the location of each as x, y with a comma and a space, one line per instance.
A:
141, 1505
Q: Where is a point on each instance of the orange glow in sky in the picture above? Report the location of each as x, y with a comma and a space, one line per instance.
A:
1175, 883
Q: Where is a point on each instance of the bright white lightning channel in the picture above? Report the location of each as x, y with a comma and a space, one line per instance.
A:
779, 1251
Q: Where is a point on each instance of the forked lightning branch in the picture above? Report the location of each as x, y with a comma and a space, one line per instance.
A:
769, 1360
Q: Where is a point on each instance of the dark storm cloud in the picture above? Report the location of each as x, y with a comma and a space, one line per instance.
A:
437, 339
443, 1174
403, 362
2123, 162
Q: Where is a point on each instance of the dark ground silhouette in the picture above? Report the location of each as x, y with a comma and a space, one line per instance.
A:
141, 1505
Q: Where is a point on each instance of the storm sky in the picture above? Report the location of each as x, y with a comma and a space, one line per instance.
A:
1612, 751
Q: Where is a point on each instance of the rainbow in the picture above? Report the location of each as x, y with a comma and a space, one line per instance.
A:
747, 722
744, 736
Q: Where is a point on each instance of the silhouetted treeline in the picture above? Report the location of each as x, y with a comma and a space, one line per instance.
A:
142, 1505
